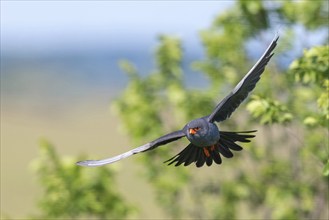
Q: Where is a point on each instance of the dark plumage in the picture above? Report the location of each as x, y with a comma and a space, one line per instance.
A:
207, 143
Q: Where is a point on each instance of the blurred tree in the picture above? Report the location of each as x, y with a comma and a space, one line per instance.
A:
71, 192
283, 175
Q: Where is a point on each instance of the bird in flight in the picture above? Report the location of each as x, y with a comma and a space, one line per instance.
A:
207, 142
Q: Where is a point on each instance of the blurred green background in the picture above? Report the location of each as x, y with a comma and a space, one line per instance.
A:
94, 79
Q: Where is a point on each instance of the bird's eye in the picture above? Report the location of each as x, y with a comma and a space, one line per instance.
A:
194, 130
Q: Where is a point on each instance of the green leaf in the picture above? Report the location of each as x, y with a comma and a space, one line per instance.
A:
325, 171
310, 121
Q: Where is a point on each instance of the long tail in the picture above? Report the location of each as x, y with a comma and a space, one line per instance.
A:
201, 155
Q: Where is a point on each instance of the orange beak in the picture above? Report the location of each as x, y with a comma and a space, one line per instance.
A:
193, 130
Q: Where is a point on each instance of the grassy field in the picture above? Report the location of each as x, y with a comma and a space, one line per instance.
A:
87, 128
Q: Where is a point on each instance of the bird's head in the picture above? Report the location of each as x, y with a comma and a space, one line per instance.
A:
196, 127
200, 132
193, 131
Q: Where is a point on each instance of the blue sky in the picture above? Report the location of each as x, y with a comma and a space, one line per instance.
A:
43, 25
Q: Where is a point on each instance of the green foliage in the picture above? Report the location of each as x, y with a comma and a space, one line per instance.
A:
70, 191
313, 66
255, 14
326, 169
312, 69
323, 101
268, 110
311, 14
279, 178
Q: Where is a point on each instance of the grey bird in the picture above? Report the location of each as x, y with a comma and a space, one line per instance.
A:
207, 143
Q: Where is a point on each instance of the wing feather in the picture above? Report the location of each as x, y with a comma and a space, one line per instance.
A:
228, 105
149, 146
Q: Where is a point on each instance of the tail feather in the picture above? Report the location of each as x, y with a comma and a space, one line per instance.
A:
201, 159
208, 154
193, 157
224, 150
181, 157
209, 161
216, 157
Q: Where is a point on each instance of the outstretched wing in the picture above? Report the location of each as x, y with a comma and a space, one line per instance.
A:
149, 146
228, 105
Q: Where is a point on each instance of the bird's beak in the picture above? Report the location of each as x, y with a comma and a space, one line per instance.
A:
193, 130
